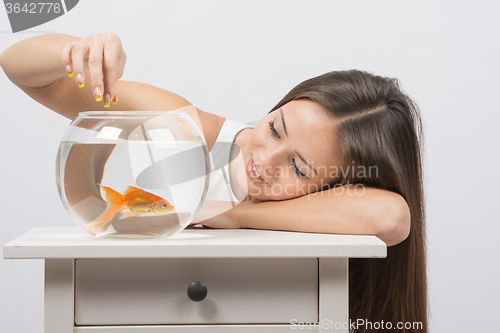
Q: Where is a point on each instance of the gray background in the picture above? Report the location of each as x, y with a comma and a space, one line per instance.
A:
237, 59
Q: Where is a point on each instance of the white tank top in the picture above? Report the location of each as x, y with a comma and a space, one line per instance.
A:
219, 188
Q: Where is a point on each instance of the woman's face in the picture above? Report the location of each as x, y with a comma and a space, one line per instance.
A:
293, 150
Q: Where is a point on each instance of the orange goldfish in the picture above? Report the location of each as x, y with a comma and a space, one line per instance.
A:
133, 202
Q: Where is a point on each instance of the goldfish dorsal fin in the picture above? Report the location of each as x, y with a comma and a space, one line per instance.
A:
112, 197
131, 189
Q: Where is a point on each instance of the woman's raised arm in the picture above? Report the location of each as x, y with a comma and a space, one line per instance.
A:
35, 62
40, 67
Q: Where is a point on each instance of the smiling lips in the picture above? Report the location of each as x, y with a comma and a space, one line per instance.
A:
252, 172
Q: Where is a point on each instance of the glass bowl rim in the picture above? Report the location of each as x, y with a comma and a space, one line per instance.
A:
129, 114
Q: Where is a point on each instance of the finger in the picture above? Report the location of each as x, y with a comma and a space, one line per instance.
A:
66, 58
78, 54
95, 66
110, 73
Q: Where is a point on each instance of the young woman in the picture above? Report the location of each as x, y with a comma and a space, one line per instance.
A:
340, 153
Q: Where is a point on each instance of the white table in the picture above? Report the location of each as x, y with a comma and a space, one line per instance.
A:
254, 280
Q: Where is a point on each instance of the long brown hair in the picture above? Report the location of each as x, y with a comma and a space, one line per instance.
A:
378, 125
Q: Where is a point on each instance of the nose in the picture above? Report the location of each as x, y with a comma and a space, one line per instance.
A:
271, 160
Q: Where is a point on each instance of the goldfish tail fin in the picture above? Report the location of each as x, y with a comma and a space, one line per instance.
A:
112, 197
125, 214
103, 219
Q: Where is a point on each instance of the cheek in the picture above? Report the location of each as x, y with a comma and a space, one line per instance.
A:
288, 188
259, 136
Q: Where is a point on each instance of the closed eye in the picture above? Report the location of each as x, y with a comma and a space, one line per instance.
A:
273, 130
294, 167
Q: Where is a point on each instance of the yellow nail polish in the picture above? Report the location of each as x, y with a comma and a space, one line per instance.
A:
115, 99
69, 71
106, 101
98, 94
79, 80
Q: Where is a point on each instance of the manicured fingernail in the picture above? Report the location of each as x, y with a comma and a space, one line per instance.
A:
79, 80
115, 99
106, 101
69, 71
98, 94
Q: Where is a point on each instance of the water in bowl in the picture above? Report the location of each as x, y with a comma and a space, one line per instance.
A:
132, 189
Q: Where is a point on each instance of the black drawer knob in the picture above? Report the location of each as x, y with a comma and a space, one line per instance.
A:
197, 291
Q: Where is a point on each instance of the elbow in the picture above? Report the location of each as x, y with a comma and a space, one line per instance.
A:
5, 63
395, 223
2, 56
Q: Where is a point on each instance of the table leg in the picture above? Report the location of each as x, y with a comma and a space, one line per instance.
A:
334, 294
59, 304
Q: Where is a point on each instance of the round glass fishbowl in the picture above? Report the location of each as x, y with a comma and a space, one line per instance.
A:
133, 174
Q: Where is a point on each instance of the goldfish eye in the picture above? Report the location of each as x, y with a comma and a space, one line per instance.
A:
164, 205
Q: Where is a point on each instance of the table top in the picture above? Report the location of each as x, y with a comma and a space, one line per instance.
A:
75, 243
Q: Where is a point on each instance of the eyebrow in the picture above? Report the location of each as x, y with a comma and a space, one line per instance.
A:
284, 127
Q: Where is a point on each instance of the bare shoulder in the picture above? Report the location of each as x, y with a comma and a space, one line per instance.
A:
211, 125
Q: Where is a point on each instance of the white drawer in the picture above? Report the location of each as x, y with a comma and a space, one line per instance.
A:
154, 291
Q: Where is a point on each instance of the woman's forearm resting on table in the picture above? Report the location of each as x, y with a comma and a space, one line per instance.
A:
375, 212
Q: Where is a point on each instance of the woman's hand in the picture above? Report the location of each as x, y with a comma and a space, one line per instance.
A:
215, 215
103, 56
230, 218
225, 220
